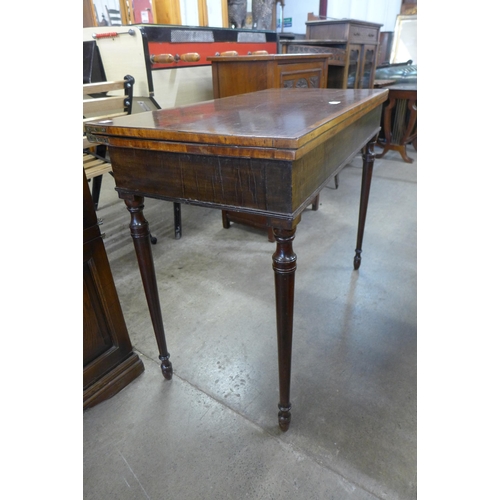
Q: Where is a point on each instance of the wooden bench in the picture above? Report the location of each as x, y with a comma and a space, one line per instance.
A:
103, 101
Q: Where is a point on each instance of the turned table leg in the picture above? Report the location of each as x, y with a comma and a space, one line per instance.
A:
284, 265
139, 229
368, 159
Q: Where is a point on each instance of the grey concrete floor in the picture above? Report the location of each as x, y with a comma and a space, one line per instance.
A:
211, 432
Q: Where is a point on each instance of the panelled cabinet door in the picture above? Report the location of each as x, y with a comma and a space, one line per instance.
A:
301, 76
109, 363
105, 337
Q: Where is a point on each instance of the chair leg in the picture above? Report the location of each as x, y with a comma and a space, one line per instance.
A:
177, 220
226, 224
96, 190
315, 203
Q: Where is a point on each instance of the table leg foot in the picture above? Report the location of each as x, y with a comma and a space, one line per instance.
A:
177, 221
406, 158
357, 260
284, 417
166, 367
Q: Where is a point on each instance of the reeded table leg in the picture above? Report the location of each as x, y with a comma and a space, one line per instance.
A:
368, 159
284, 265
139, 229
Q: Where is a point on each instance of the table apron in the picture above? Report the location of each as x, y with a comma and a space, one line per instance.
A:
278, 189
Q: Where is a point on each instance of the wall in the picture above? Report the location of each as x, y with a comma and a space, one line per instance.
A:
188, 9
375, 11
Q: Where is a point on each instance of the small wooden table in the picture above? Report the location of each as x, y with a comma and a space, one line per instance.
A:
267, 153
400, 120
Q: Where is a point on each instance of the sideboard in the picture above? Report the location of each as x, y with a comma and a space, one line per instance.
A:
353, 47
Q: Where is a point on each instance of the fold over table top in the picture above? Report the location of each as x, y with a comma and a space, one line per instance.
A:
273, 123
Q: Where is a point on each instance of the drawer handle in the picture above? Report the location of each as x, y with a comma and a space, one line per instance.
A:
371, 35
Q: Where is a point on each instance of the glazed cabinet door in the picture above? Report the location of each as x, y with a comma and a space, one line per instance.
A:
368, 66
352, 71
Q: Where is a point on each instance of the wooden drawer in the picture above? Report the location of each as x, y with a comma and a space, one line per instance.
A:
351, 31
363, 34
337, 55
320, 30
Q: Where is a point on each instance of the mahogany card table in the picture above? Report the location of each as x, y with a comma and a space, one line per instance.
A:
267, 153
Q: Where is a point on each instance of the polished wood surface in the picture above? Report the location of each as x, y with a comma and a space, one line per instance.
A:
283, 129
268, 153
275, 124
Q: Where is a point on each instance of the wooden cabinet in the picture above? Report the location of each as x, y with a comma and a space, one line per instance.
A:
109, 363
353, 48
233, 75
384, 49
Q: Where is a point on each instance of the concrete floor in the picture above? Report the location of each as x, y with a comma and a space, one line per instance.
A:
212, 432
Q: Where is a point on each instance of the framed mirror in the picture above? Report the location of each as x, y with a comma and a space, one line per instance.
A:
404, 45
